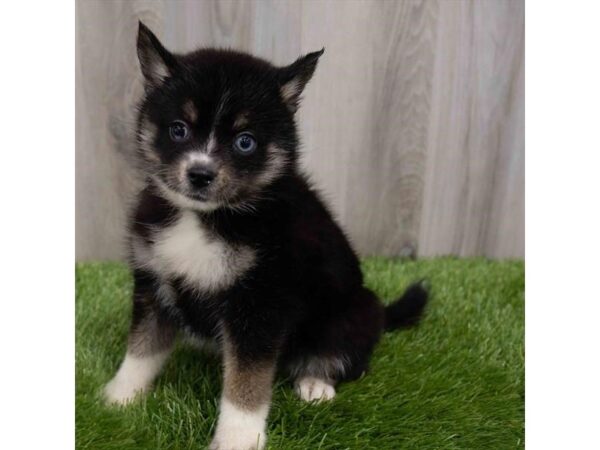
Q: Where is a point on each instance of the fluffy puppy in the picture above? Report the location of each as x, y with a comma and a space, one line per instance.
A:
231, 244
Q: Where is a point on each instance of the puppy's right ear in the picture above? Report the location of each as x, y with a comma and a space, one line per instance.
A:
156, 62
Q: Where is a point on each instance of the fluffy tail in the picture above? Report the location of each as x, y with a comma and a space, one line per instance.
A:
407, 310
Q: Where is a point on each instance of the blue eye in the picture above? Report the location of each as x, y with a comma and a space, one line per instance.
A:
245, 143
179, 131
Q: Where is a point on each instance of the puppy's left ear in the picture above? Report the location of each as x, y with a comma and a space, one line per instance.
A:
156, 62
293, 78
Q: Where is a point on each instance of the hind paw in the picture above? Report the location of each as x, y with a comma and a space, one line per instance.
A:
314, 389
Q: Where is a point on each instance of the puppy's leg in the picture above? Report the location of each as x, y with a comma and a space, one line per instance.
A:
246, 397
151, 339
339, 349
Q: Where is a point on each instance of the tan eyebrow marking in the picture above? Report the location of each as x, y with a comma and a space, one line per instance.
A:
190, 111
241, 121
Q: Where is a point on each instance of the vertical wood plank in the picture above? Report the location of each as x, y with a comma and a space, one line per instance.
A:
476, 141
190, 24
107, 84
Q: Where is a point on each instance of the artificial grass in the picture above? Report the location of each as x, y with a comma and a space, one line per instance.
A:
454, 382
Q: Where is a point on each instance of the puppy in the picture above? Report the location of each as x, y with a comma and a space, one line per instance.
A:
230, 243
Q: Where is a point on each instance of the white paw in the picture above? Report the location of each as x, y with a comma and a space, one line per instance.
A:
238, 439
135, 375
314, 389
240, 430
121, 392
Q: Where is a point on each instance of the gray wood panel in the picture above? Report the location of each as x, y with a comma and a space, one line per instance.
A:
473, 202
413, 126
107, 84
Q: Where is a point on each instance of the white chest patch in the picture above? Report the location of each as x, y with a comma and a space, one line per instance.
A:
184, 249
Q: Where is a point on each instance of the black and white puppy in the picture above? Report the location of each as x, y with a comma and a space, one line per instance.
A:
231, 244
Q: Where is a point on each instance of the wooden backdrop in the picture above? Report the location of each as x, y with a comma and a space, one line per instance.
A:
413, 125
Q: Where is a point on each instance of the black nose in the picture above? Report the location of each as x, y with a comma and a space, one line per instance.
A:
200, 177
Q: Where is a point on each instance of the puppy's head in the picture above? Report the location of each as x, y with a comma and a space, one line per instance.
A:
216, 127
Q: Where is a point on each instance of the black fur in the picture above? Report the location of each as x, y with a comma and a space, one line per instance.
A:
305, 295
303, 301
408, 309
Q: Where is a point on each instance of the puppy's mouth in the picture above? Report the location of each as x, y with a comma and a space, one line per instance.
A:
195, 199
205, 194
198, 196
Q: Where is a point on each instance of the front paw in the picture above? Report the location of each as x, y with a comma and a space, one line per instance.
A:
121, 392
239, 429
238, 440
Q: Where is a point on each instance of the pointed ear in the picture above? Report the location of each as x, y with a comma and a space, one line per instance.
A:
293, 78
156, 62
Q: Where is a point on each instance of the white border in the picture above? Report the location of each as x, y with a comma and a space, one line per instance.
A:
37, 204
563, 225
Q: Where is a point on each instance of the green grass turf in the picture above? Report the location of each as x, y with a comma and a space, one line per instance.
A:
455, 381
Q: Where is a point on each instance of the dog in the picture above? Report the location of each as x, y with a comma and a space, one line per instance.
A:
230, 243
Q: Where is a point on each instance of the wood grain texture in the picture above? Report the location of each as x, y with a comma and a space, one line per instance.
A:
413, 126
473, 201
107, 84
